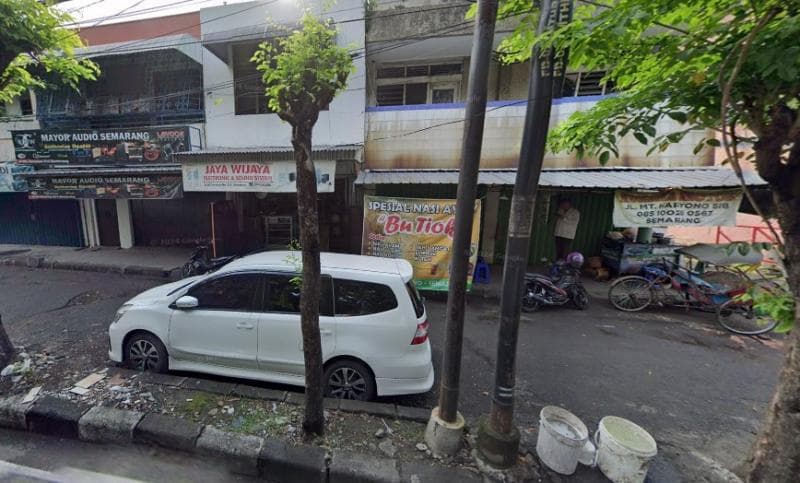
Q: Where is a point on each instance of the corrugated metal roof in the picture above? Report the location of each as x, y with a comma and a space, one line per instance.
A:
613, 178
269, 153
104, 170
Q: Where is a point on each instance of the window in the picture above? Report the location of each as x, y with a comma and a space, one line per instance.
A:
585, 84
232, 292
418, 84
248, 90
362, 298
25, 104
416, 299
283, 296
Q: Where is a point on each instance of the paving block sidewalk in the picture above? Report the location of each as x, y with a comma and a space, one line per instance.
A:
150, 261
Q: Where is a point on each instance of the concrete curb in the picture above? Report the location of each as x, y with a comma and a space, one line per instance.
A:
266, 458
45, 263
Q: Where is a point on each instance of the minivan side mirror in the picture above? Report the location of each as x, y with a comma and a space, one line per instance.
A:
186, 302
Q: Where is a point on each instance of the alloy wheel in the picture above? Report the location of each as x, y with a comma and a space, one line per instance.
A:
144, 355
347, 383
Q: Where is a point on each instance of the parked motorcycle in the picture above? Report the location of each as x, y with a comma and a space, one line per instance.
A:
200, 263
561, 286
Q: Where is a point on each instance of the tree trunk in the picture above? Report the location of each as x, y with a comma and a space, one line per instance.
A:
776, 455
314, 422
7, 352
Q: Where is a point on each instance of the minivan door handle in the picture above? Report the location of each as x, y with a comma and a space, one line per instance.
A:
326, 331
245, 326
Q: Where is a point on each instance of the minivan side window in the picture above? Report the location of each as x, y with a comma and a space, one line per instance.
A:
282, 295
416, 299
232, 292
352, 297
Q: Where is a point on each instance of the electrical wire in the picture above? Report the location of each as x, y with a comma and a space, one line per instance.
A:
123, 49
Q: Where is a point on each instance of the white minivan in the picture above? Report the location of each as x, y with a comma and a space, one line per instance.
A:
244, 321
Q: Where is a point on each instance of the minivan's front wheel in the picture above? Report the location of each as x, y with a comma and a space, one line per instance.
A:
145, 352
348, 379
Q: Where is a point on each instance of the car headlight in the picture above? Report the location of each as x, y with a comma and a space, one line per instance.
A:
120, 312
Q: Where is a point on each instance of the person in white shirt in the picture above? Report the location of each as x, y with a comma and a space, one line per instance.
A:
567, 219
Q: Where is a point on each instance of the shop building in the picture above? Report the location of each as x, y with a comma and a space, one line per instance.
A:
249, 159
414, 126
102, 155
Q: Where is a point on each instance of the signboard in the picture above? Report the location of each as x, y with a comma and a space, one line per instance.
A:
246, 176
420, 231
11, 179
676, 207
133, 186
100, 146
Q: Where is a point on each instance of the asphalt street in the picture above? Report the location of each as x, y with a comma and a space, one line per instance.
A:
700, 391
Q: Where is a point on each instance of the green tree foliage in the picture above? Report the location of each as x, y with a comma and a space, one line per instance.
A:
302, 73
35, 48
706, 64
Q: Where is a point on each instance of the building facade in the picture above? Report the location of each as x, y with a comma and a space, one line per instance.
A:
418, 62
177, 79
174, 144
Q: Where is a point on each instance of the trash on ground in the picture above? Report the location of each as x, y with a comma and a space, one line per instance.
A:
90, 380
31, 394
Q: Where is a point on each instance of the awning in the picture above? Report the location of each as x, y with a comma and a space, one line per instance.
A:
602, 178
217, 42
184, 43
320, 152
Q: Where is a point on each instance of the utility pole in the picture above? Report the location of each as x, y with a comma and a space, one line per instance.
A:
498, 438
446, 425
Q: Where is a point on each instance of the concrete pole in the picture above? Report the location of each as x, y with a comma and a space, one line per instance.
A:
490, 208
498, 438
125, 223
445, 428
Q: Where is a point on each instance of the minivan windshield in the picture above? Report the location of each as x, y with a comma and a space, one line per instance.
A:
416, 300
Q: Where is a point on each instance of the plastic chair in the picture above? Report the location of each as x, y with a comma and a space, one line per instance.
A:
482, 272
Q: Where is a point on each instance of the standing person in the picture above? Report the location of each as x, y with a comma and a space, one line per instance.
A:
567, 219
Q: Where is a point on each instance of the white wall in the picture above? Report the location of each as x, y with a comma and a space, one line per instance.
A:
342, 124
20, 123
431, 138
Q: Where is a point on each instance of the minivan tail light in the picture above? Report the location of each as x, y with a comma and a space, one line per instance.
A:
421, 335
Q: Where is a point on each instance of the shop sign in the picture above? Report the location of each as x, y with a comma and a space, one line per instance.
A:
677, 207
11, 179
420, 231
100, 146
133, 186
267, 177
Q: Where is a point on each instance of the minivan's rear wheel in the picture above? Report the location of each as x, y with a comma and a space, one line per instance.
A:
348, 379
146, 353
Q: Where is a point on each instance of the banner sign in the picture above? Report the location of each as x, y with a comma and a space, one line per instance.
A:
133, 186
245, 176
100, 146
420, 231
11, 178
677, 207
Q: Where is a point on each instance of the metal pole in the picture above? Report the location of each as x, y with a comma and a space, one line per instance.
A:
474, 117
499, 442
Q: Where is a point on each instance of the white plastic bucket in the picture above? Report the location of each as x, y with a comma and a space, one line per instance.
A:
624, 450
561, 439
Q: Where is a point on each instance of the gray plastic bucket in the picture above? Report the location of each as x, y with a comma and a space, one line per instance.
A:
562, 436
624, 450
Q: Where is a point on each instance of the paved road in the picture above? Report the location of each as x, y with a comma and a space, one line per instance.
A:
699, 391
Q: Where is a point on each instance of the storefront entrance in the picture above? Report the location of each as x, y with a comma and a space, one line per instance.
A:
107, 223
41, 222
